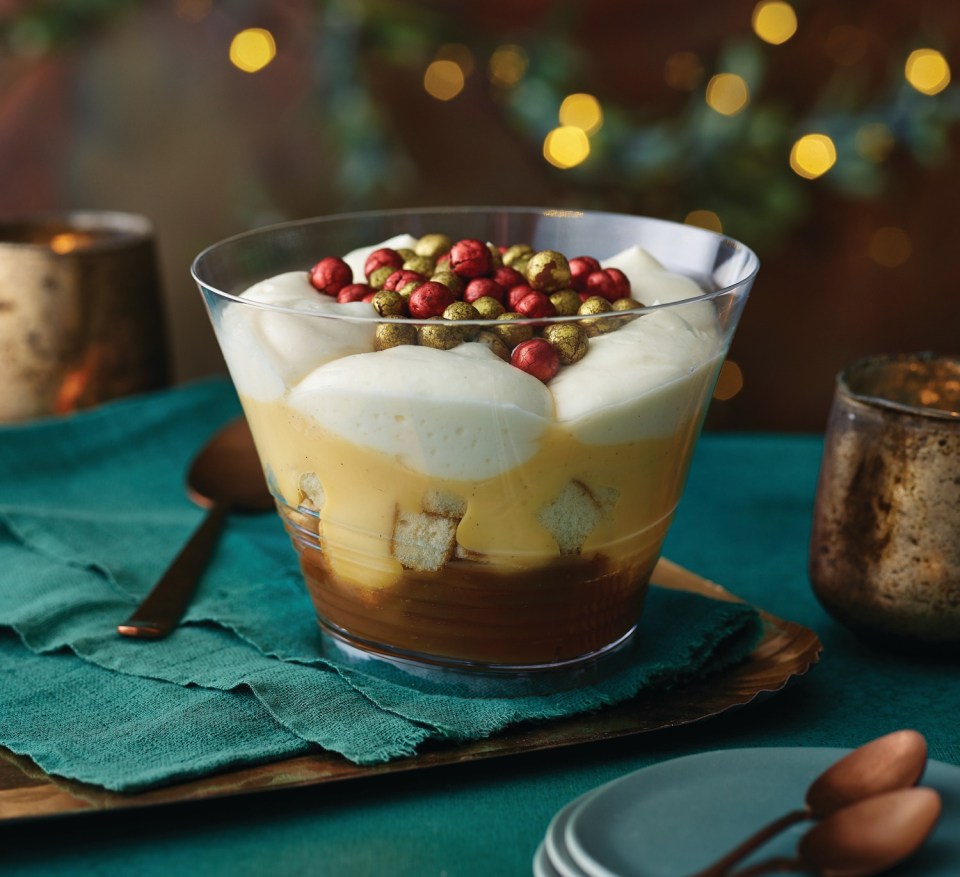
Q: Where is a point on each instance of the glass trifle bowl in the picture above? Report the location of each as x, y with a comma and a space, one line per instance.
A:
476, 423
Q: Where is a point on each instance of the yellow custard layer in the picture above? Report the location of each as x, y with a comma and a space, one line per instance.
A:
638, 485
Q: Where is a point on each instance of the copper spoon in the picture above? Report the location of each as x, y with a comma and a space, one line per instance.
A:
863, 839
894, 761
225, 476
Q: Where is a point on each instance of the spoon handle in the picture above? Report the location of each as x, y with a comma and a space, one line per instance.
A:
722, 865
163, 607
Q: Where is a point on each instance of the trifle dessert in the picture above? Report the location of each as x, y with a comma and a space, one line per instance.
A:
476, 424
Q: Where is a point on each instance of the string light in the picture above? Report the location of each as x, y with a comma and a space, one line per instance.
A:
774, 22
443, 79
727, 94
252, 49
890, 247
566, 146
582, 111
704, 219
927, 71
813, 155
507, 66
729, 381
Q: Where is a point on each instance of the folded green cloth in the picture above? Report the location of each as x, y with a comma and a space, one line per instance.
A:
92, 509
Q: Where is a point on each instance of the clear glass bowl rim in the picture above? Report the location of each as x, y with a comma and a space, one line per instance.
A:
752, 262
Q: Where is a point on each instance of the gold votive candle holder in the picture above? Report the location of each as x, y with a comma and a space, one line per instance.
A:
81, 312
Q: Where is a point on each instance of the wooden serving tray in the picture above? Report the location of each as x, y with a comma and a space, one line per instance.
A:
785, 652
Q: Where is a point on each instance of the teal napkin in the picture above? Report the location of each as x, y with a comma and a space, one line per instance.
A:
92, 509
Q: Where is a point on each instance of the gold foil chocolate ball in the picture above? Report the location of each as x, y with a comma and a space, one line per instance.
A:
569, 340
420, 264
409, 287
379, 277
495, 343
394, 333
488, 307
461, 310
597, 326
548, 271
512, 335
517, 251
406, 253
453, 282
626, 304
433, 245
521, 264
439, 334
566, 301
496, 257
388, 303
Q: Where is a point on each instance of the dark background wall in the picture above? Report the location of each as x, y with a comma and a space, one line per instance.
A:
136, 106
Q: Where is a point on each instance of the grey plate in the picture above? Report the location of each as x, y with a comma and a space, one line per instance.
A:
676, 817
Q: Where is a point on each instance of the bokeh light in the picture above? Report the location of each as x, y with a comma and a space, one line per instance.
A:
507, 66
704, 219
566, 146
729, 381
458, 53
252, 49
581, 111
683, 71
813, 155
443, 79
727, 94
774, 22
890, 246
927, 71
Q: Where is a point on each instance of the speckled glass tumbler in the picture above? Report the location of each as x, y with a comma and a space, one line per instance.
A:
885, 547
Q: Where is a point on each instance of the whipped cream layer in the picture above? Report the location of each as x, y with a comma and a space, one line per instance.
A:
464, 414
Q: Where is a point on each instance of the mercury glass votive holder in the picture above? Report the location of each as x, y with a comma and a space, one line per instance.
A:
81, 316
885, 546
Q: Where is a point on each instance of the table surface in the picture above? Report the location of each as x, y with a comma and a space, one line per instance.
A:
744, 522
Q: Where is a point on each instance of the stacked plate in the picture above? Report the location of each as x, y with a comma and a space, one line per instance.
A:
675, 818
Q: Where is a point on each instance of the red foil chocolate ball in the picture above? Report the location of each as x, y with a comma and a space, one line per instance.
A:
603, 284
536, 357
483, 286
471, 258
620, 281
429, 300
401, 278
382, 258
517, 294
330, 275
537, 304
508, 277
354, 292
580, 268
